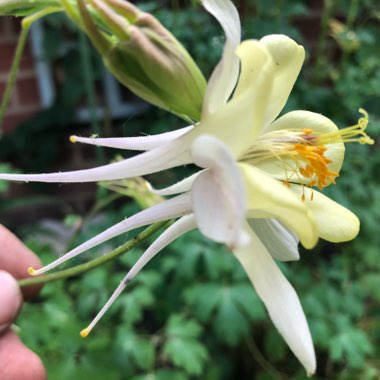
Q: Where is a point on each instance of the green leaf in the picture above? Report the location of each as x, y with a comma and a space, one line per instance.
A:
204, 298
275, 345
187, 354
182, 347
245, 296
178, 325
133, 302
135, 349
163, 374
230, 323
352, 344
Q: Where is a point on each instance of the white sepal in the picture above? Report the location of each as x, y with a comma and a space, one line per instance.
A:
281, 243
172, 208
180, 227
218, 194
173, 154
280, 299
224, 77
179, 187
133, 143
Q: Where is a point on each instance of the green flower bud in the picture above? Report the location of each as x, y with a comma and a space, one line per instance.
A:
143, 55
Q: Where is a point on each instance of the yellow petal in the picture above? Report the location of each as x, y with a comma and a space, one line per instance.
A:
334, 222
268, 198
239, 121
298, 120
288, 58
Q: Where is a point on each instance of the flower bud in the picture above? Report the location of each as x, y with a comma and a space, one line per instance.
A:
143, 55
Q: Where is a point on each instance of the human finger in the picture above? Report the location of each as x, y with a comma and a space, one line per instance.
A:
17, 361
16, 258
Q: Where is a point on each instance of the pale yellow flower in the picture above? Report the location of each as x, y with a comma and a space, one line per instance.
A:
255, 190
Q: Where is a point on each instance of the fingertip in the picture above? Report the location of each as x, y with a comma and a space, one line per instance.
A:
16, 258
18, 361
36, 368
10, 298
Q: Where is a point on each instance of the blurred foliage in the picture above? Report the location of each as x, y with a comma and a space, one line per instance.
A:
192, 314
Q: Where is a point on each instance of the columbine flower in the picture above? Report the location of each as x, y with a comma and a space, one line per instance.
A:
254, 192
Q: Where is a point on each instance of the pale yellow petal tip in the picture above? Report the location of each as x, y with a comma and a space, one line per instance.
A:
32, 271
73, 139
84, 333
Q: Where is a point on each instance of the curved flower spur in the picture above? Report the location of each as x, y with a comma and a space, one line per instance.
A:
254, 191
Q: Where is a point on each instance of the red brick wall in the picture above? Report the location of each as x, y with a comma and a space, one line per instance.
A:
25, 98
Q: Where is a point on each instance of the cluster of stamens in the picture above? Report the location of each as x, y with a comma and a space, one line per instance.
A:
311, 161
302, 152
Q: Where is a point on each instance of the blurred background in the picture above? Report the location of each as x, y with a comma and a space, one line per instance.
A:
191, 313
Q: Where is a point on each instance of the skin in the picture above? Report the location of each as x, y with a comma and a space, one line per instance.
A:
17, 362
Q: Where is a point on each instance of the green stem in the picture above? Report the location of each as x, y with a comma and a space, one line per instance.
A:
12, 75
175, 8
322, 41
89, 78
26, 24
352, 13
260, 359
25, 7
82, 268
351, 17
279, 15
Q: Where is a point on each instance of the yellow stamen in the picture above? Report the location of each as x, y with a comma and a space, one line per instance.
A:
73, 139
314, 164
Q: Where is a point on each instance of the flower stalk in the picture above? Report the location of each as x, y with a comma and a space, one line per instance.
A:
26, 7
25, 26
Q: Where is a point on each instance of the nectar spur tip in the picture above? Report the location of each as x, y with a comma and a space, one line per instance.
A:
84, 332
73, 139
32, 271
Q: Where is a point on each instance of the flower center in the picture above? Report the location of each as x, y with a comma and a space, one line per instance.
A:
302, 152
311, 162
